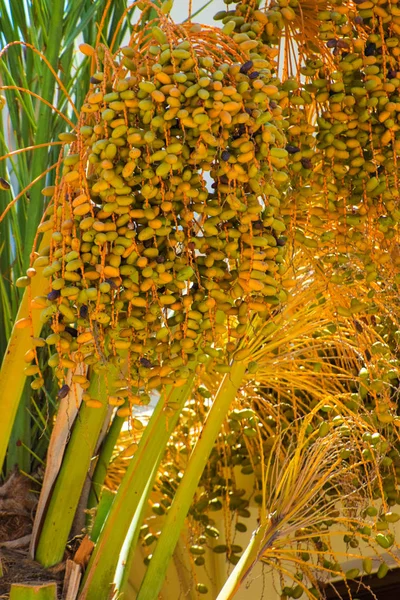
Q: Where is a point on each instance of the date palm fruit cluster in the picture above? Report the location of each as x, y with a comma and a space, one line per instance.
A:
166, 225
345, 182
355, 173
295, 99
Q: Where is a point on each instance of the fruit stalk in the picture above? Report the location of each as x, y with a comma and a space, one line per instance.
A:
71, 478
155, 574
103, 563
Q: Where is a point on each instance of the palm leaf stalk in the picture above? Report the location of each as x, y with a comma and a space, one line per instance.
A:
27, 325
47, 591
62, 507
178, 511
67, 412
262, 538
103, 563
130, 547
104, 457
102, 510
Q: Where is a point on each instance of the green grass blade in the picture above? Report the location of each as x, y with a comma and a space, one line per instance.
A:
24, 99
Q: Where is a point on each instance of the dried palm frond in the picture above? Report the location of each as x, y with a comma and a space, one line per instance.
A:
311, 494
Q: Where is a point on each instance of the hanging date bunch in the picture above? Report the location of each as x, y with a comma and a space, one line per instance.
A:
166, 224
348, 53
295, 21
358, 138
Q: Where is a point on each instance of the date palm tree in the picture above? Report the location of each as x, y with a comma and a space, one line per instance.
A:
201, 221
